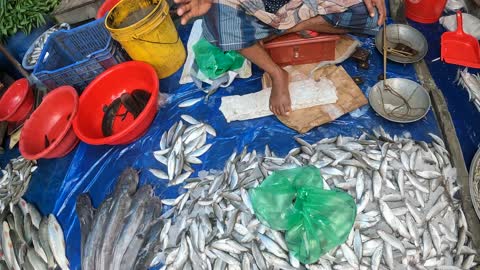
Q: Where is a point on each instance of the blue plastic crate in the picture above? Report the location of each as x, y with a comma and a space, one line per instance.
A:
76, 57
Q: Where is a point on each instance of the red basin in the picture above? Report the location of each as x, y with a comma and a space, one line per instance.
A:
17, 102
108, 86
51, 121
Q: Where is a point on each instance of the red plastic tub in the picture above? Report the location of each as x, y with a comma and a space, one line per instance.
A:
48, 133
425, 11
17, 102
105, 8
108, 86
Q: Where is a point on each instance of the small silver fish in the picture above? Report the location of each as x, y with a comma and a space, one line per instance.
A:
189, 102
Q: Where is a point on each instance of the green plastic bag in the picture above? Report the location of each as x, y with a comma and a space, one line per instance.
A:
315, 220
213, 62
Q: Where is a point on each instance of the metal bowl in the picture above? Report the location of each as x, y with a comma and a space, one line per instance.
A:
395, 109
474, 182
407, 35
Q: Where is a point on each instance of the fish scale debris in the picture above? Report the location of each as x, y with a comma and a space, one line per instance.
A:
214, 227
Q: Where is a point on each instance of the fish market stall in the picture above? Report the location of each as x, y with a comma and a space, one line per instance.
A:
180, 195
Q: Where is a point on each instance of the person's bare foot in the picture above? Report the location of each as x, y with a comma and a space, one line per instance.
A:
280, 103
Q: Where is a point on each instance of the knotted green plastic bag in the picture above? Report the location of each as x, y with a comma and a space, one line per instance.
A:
315, 220
213, 62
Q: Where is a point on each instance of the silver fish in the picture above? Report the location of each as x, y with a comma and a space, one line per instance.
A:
57, 242
189, 102
7, 247
44, 237
189, 119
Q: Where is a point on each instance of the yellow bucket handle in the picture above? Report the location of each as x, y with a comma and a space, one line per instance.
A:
159, 21
157, 42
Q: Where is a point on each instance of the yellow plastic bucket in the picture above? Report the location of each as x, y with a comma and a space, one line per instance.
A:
147, 33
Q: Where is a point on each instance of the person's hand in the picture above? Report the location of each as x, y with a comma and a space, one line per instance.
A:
380, 5
192, 8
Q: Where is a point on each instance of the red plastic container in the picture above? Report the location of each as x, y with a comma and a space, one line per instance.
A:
292, 49
16, 102
107, 87
460, 48
52, 122
105, 8
425, 11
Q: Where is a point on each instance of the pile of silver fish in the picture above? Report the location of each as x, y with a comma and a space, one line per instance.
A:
471, 83
180, 147
123, 232
40, 42
14, 180
30, 241
405, 190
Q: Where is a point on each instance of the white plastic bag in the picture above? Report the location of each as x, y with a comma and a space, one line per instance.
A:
471, 24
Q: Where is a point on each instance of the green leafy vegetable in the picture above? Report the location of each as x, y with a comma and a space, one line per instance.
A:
23, 15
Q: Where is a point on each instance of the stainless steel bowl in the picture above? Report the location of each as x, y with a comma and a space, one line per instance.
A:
474, 182
407, 35
395, 109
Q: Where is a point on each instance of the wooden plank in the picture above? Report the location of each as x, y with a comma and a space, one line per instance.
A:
69, 5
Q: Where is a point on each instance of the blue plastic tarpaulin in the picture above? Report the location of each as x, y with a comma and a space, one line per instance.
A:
94, 169
465, 115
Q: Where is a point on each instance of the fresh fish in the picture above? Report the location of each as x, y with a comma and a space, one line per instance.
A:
159, 174
44, 237
350, 256
278, 262
85, 213
116, 215
377, 184
189, 119
37, 245
7, 247
27, 225
272, 246
88, 259
35, 215
377, 257
390, 239
389, 177
35, 260
189, 102
132, 221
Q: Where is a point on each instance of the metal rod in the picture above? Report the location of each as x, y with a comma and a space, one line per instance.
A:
384, 56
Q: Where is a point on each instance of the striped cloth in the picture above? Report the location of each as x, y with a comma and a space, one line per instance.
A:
239, 24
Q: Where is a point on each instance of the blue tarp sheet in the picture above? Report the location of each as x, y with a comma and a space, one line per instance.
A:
466, 117
94, 169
